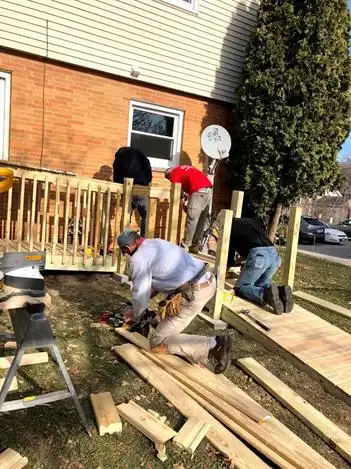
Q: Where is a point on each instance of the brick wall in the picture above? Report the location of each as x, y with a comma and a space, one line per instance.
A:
72, 119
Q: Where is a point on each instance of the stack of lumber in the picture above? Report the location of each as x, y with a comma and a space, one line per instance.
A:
229, 412
10, 459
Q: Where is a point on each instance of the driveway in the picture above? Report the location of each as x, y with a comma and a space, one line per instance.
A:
335, 252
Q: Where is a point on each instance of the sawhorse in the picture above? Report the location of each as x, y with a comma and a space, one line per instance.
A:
33, 330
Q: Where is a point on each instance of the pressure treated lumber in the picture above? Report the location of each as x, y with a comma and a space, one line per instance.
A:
148, 425
325, 428
219, 385
137, 339
291, 246
106, 413
13, 387
10, 459
225, 220
217, 324
237, 203
312, 344
272, 438
28, 359
324, 303
191, 434
218, 435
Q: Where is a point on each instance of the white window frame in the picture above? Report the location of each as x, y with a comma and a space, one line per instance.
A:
193, 6
5, 116
158, 163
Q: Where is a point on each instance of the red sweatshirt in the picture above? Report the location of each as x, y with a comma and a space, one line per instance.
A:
191, 179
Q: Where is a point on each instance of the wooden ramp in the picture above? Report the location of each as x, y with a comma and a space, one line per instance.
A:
315, 346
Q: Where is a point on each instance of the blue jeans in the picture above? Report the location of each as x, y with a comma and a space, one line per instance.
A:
256, 276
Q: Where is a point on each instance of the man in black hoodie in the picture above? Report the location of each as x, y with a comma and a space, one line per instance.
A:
132, 163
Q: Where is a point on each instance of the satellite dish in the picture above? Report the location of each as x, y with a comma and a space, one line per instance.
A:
216, 142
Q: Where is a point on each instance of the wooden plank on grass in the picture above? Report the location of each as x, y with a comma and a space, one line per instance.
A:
134, 337
106, 413
10, 459
27, 359
314, 419
13, 386
271, 438
218, 435
148, 425
217, 384
191, 434
223, 412
324, 303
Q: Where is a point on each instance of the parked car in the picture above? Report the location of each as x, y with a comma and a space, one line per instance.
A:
344, 226
310, 230
333, 235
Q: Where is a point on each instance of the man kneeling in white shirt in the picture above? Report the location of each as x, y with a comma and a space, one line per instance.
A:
157, 266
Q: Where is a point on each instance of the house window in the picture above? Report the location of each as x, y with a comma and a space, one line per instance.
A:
157, 132
5, 83
190, 5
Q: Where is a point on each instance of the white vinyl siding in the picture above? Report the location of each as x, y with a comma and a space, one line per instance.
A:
5, 83
198, 53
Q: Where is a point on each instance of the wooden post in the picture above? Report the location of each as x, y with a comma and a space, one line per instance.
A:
8, 218
174, 212
76, 223
225, 220
84, 217
127, 200
125, 222
20, 216
34, 205
45, 210
291, 246
115, 227
151, 218
93, 216
98, 224
87, 226
237, 203
56, 221
65, 222
107, 223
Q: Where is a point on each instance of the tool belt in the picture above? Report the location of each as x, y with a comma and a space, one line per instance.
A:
170, 306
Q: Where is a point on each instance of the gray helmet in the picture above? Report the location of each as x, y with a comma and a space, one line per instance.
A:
127, 238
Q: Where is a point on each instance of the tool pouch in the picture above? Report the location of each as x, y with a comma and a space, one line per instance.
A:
170, 306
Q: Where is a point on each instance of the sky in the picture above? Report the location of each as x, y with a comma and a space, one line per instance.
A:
346, 148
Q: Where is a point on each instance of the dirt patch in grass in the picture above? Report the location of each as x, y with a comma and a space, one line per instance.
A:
52, 437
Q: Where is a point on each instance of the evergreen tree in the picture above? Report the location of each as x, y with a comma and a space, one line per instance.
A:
294, 105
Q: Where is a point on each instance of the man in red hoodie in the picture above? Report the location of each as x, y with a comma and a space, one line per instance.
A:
197, 190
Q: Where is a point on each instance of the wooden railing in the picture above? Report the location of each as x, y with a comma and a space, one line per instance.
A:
76, 219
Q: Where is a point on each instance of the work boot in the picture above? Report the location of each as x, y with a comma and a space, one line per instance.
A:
272, 298
286, 296
221, 353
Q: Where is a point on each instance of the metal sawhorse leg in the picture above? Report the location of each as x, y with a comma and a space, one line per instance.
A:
32, 330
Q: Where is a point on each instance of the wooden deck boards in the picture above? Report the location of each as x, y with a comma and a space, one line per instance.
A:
317, 347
